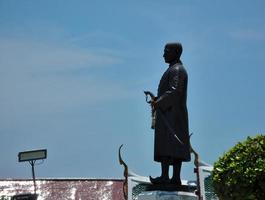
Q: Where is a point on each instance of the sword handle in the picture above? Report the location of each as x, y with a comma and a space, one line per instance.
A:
152, 99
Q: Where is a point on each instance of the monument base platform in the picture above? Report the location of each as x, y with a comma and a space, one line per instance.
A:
166, 195
169, 187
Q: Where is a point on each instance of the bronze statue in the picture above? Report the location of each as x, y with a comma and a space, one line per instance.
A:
170, 117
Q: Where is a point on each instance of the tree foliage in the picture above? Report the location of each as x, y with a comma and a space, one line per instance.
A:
240, 173
4, 198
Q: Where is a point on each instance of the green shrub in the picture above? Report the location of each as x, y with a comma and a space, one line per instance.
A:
4, 198
240, 173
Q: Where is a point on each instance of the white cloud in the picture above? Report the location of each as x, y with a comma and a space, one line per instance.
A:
34, 55
248, 34
37, 77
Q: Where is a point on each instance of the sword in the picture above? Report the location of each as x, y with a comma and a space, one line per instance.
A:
169, 126
153, 98
150, 102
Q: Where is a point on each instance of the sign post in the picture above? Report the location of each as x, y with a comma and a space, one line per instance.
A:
31, 157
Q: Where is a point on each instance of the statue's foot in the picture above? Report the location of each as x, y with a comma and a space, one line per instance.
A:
175, 181
159, 180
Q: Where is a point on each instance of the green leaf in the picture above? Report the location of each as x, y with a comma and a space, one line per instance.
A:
240, 170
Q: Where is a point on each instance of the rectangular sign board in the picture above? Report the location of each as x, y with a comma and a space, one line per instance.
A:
32, 155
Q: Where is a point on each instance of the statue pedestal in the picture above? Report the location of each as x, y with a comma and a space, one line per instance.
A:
169, 188
140, 188
167, 192
166, 195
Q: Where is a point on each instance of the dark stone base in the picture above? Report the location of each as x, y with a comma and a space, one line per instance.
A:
25, 197
170, 187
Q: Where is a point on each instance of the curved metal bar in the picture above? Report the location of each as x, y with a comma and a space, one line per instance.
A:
196, 170
125, 174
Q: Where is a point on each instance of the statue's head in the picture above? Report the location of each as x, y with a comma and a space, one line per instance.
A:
172, 52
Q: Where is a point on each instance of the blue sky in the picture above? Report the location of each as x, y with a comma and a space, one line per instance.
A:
72, 75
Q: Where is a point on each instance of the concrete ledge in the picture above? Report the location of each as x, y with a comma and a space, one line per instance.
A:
164, 195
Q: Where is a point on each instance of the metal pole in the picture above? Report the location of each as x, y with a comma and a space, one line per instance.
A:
33, 174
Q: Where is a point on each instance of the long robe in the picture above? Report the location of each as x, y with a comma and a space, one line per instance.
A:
171, 103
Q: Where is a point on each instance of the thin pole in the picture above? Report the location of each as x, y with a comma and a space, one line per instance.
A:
33, 174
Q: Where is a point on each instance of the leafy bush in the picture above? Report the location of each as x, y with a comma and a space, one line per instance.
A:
4, 198
240, 173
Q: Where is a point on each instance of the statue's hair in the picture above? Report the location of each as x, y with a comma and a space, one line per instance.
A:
176, 46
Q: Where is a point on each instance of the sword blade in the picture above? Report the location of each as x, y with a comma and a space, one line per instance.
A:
169, 127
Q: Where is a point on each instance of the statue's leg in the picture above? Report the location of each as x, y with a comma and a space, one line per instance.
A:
164, 178
165, 169
176, 173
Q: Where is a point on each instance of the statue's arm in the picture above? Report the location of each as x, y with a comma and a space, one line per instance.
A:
170, 97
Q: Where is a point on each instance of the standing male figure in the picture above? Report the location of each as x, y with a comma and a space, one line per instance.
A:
171, 126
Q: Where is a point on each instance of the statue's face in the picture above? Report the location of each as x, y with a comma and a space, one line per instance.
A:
170, 54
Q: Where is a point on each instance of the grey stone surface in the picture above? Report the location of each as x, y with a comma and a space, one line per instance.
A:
163, 195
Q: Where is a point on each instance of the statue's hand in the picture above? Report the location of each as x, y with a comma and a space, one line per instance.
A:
151, 95
154, 103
